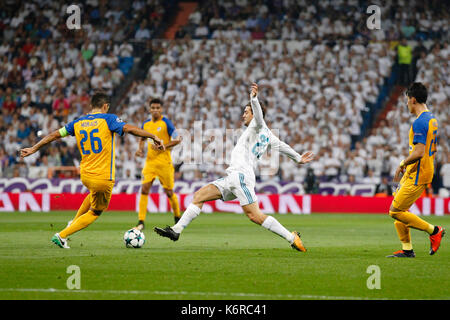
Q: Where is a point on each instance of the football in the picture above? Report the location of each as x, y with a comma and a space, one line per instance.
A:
134, 238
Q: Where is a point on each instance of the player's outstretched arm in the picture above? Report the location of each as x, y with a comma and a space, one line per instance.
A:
256, 107
55, 135
285, 149
138, 132
172, 143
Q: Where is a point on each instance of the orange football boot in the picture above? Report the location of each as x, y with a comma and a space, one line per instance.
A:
298, 244
435, 240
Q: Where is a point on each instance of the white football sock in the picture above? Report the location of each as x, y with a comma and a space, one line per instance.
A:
273, 225
192, 211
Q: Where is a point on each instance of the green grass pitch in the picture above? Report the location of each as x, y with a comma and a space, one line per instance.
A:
219, 256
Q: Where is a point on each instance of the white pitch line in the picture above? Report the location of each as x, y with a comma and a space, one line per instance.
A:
185, 293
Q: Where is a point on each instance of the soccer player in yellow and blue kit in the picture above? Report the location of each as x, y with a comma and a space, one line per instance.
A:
95, 135
418, 171
158, 163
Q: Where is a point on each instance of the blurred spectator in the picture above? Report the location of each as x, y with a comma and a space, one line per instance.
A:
408, 29
201, 32
445, 171
60, 104
9, 104
23, 131
311, 184
125, 50
404, 52
143, 32
384, 188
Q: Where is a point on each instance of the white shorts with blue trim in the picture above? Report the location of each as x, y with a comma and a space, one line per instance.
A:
236, 185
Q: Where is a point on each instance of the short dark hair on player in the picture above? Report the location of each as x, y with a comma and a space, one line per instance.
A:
418, 91
155, 100
262, 108
99, 99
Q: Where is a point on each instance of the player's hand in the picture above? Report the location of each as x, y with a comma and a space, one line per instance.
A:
254, 92
158, 144
399, 173
26, 152
157, 147
139, 153
306, 157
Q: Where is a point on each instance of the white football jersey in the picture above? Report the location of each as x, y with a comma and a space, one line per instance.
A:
253, 143
249, 148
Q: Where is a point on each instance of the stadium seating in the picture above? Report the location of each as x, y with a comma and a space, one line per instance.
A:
319, 20
324, 79
48, 71
314, 93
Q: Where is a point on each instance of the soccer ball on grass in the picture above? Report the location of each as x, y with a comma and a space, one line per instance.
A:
134, 238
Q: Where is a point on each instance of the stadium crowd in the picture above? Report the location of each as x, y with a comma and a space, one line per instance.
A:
49, 71
315, 91
317, 20
314, 94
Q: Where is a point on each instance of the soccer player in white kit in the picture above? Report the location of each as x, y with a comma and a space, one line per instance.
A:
240, 180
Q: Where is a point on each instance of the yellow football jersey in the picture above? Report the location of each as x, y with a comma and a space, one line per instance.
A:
423, 130
95, 140
165, 130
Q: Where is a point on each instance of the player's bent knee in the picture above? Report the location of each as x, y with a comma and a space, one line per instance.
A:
393, 211
97, 212
394, 214
396, 223
254, 218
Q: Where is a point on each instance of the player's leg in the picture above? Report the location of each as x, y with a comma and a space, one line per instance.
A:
173, 200
206, 193
270, 223
81, 222
101, 192
83, 208
244, 189
100, 195
404, 198
167, 179
404, 235
143, 202
411, 220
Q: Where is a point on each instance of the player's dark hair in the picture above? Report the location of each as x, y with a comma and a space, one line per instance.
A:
99, 99
418, 91
262, 108
155, 100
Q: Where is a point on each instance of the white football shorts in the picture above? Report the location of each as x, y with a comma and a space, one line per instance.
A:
236, 185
